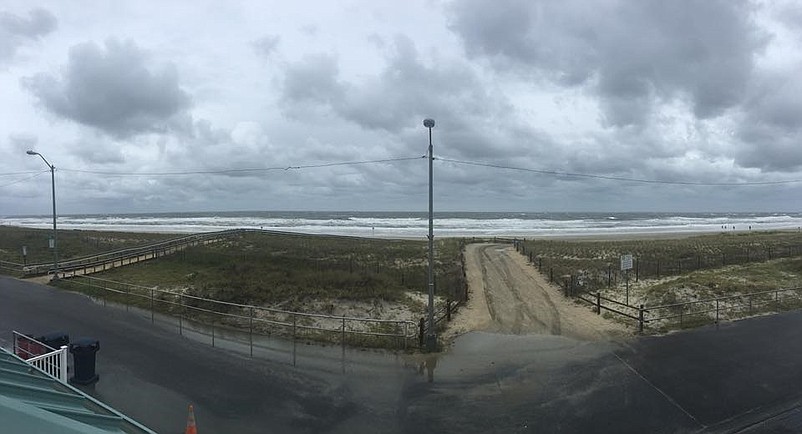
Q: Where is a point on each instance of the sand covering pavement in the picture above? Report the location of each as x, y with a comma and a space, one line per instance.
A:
507, 295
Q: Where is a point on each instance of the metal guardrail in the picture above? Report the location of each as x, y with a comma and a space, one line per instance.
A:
51, 361
11, 266
715, 309
116, 258
217, 315
591, 278
708, 310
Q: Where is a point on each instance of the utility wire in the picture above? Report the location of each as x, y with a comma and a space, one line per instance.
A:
30, 172
354, 163
616, 178
24, 179
244, 170
391, 160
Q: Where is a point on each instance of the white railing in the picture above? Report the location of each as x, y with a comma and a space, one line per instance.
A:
53, 362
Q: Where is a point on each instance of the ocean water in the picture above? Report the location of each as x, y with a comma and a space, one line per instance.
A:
415, 225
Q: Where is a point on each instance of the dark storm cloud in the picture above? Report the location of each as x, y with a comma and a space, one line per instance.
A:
771, 127
114, 89
314, 79
770, 123
16, 31
632, 54
406, 90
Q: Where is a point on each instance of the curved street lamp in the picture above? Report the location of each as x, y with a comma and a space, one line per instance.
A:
55, 233
431, 336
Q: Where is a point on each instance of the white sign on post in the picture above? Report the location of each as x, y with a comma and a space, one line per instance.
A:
626, 265
626, 262
24, 250
52, 243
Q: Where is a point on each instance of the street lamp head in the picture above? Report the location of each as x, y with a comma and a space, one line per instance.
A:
32, 153
428, 123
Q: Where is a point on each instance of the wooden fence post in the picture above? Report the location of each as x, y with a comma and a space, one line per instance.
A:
421, 331
598, 303
181, 315
448, 310
716, 311
250, 330
640, 319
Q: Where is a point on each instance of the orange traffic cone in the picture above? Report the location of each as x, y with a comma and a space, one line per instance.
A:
191, 429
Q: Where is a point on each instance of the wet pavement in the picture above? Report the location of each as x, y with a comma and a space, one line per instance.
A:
742, 376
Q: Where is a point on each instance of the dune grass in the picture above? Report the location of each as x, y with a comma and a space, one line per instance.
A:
687, 274
288, 270
71, 243
596, 264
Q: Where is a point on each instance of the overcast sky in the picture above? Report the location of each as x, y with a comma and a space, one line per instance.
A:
122, 95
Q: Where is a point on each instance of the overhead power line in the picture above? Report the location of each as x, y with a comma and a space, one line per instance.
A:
555, 173
616, 178
24, 179
243, 170
30, 172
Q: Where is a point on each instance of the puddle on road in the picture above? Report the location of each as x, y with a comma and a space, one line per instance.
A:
477, 354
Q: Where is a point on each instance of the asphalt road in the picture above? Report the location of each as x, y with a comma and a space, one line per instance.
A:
742, 376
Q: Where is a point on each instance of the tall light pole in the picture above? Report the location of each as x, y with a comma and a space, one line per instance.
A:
431, 337
55, 233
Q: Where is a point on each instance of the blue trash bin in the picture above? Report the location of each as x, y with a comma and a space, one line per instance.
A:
55, 340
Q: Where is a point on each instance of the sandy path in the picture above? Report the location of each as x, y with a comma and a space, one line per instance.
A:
510, 296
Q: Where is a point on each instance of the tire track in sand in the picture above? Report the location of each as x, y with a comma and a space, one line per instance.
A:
510, 296
515, 302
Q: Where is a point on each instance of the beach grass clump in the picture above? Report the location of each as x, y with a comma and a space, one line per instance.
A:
731, 280
71, 243
725, 293
289, 270
596, 264
682, 282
